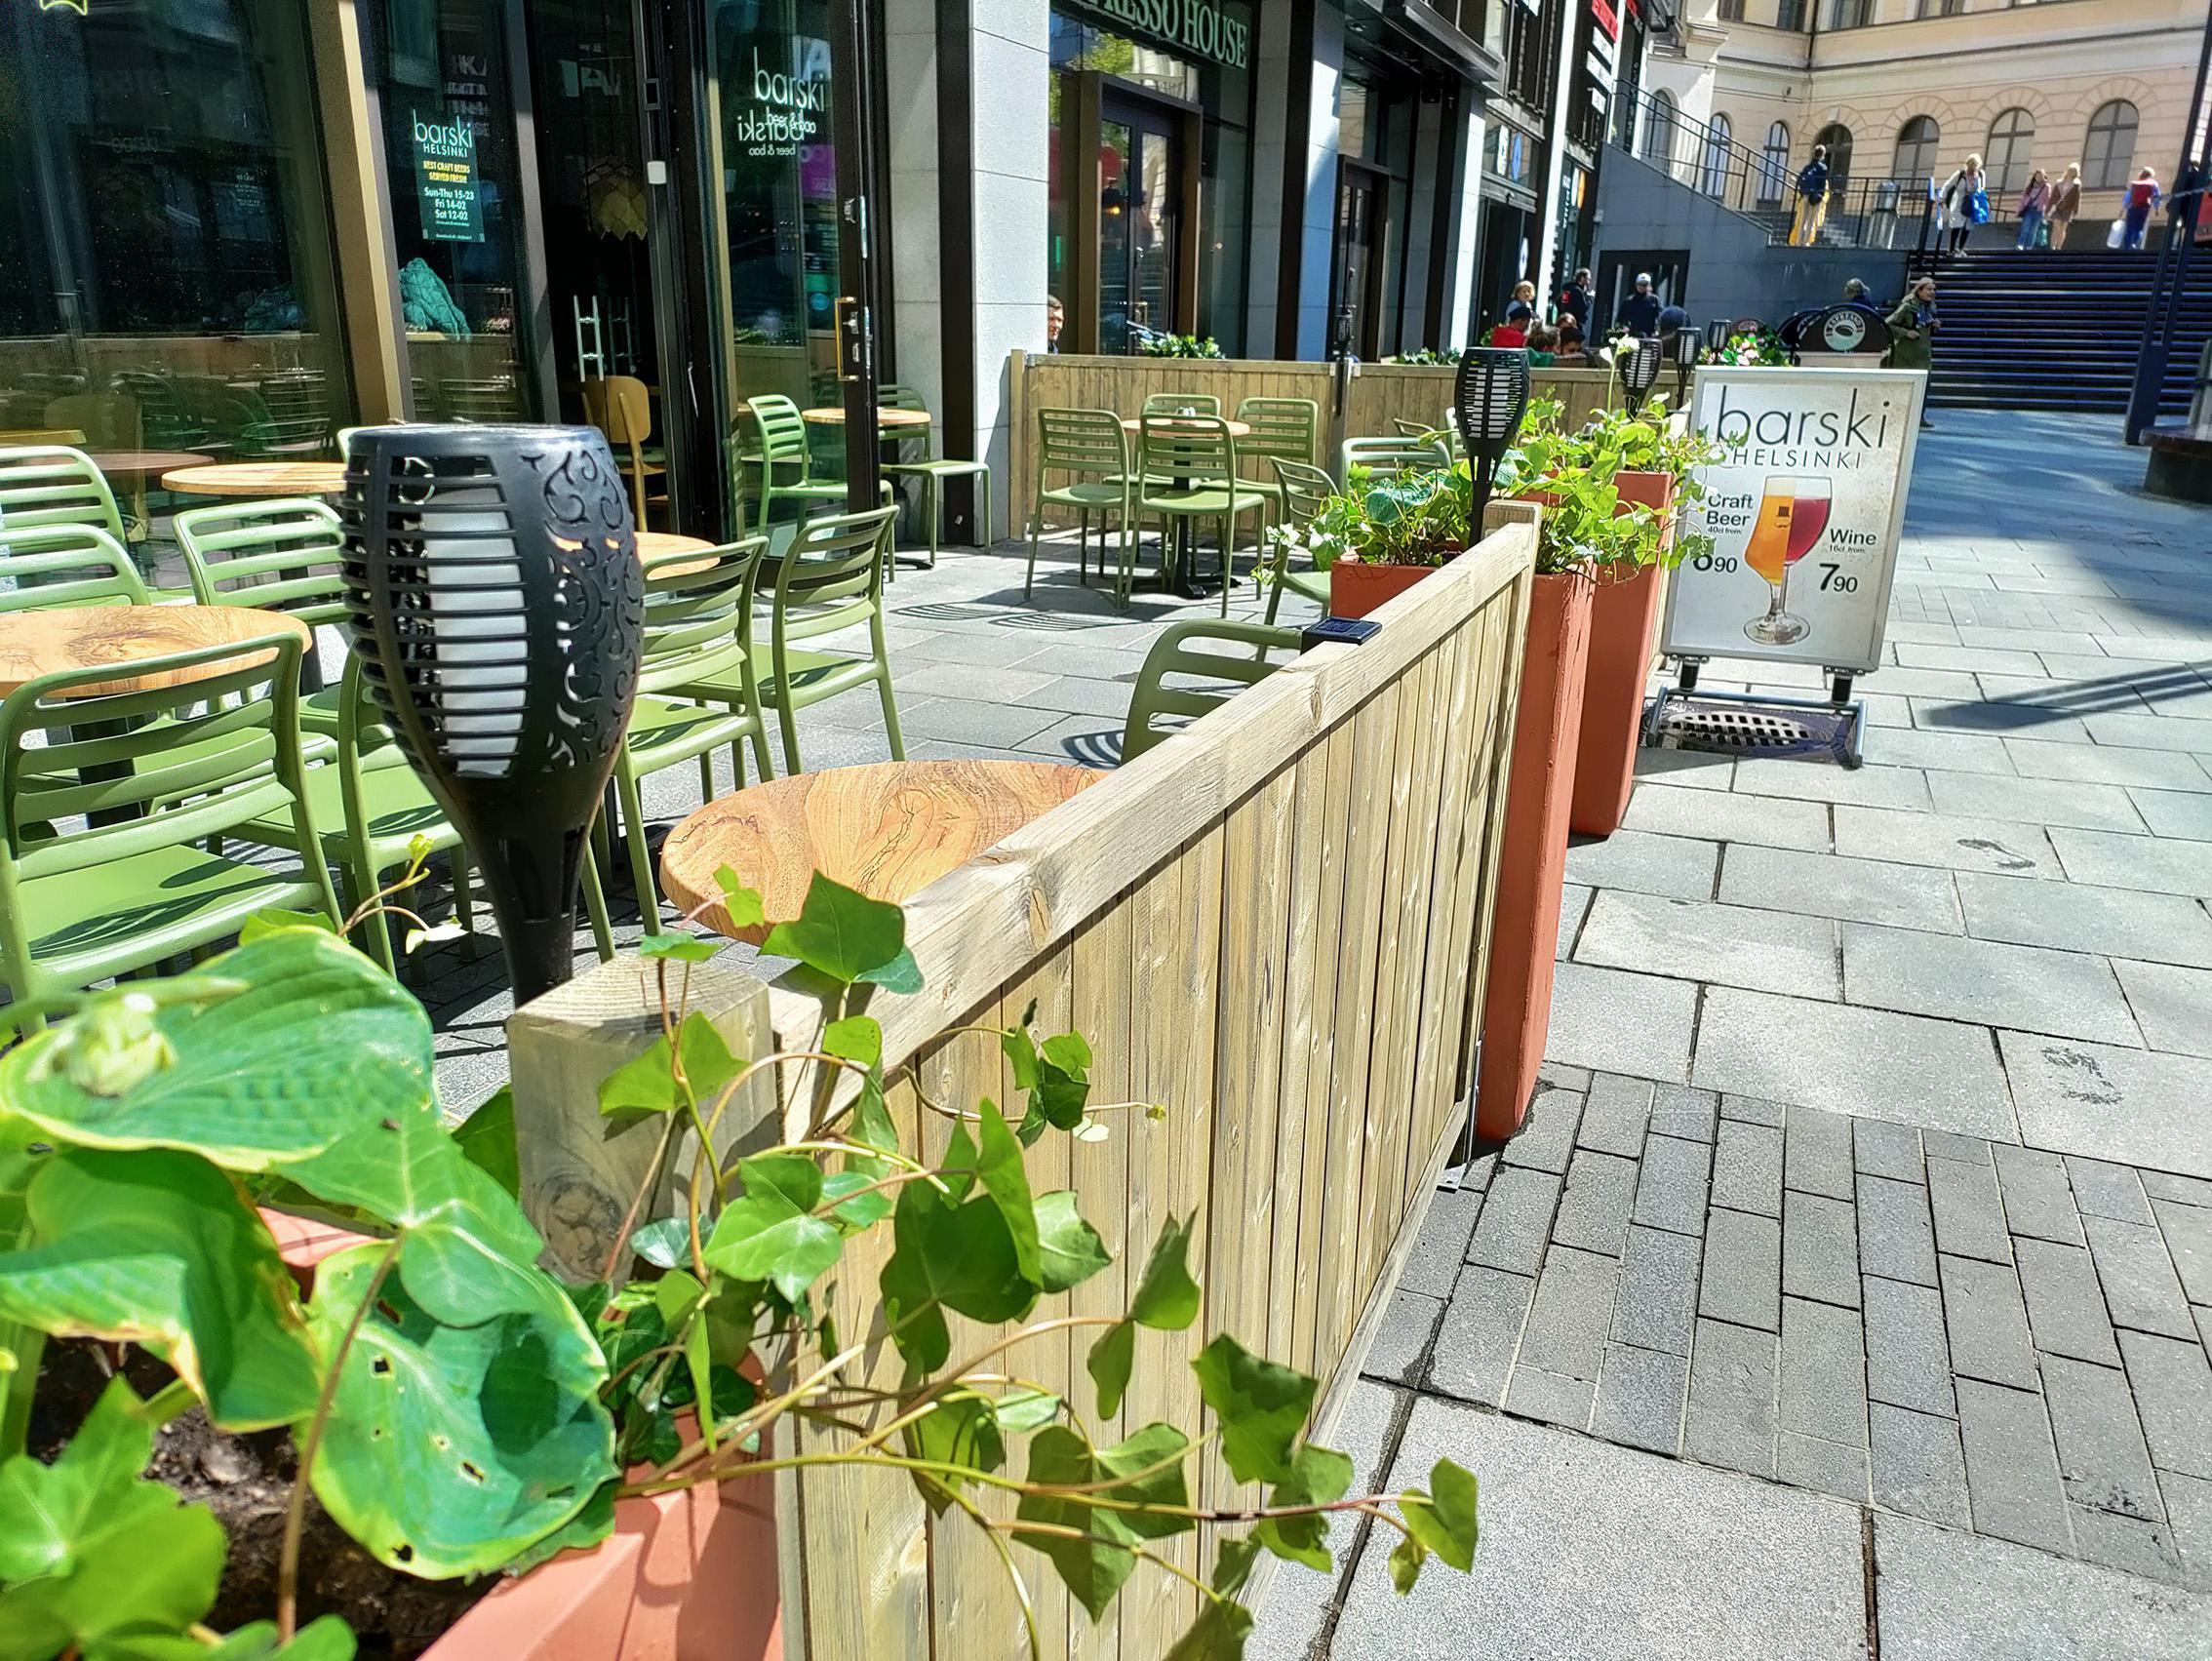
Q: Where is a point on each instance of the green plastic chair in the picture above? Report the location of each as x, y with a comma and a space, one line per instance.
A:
186, 763
1389, 456
1284, 429
1092, 445
66, 564
1185, 649
783, 445
1181, 403
1303, 489
830, 579
696, 688
53, 484
1199, 452
279, 555
930, 471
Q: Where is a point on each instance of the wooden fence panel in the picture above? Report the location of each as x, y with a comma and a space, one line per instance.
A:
1270, 925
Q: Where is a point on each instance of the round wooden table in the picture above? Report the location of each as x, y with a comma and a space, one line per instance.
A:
139, 463
660, 544
258, 479
97, 637
833, 416
888, 830
1186, 583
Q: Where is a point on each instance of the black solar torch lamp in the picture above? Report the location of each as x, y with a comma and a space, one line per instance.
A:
1637, 362
1687, 349
498, 610
1489, 396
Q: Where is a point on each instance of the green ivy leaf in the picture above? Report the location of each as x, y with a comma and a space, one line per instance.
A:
1444, 1519
863, 1212
665, 1242
999, 1168
743, 904
1069, 1249
902, 974
960, 1428
328, 1638
1318, 1476
1110, 1362
275, 919
89, 1551
1022, 1410
1217, 1635
678, 1295
1405, 1561
648, 1084
845, 935
450, 1448
770, 1233
1095, 1570
159, 1247
487, 1140
683, 948
856, 1037
948, 1253
1166, 1297
1262, 1407
1233, 1562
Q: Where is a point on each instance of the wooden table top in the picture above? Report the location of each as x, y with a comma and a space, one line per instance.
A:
94, 637
134, 463
834, 416
258, 479
658, 544
889, 830
1136, 423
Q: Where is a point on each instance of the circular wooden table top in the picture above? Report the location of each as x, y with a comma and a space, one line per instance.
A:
258, 479
889, 830
658, 544
1136, 423
834, 416
97, 637
136, 463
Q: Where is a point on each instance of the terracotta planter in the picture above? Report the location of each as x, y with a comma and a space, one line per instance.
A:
1356, 588
685, 1576
1622, 618
1517, 1004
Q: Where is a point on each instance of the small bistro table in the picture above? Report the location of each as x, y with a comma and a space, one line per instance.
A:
139, 463
258, 479
889, 830
1187, 586
660, 544
94, 637
833, 416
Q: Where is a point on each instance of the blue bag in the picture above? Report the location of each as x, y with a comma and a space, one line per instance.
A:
1978, 208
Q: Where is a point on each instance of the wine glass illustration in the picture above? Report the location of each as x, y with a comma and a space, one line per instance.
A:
1792, 515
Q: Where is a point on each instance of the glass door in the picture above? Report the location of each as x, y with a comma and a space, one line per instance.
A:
1140, 217
1357, 266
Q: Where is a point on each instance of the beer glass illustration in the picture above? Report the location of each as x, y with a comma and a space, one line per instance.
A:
1792, 515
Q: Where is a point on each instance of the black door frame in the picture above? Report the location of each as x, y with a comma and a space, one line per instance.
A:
1377, 183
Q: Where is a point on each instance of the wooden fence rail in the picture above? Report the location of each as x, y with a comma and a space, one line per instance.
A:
1275, 924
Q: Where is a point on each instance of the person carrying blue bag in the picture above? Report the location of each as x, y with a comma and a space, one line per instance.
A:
1962, 195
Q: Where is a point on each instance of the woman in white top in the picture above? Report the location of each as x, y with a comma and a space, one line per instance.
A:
1957, 199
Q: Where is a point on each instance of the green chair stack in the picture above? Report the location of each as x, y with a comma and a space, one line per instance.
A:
1390, 456
1189, 468
1182, 651
931, 471
1302, 490
1284, 429
1092, 445
278, 555
187, 764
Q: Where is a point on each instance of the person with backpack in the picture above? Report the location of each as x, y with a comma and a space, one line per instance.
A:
2135, 213
1574, 299
1963, 196
1812, 200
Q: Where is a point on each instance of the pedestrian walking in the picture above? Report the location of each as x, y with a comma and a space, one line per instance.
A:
1966, 199
1640, 312
1574, 299
1812, 200
1856, 297
2035, 207
1912, 332
2066, 202
2136, 208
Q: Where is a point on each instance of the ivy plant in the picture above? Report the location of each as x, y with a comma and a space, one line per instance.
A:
458, 1412
1158, 346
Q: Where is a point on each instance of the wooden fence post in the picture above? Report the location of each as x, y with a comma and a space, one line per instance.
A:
580, 1176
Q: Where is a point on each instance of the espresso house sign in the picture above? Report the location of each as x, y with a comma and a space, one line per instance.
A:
1193, 25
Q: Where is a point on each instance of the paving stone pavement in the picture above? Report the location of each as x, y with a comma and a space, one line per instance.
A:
1887, 1198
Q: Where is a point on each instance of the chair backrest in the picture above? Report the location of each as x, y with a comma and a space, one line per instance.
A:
1390, 456
831, 577
66, 564
1189, 650
164, 422
1177, 403
53, 484
1080, 441
699, 614
499, 399
783, 430
109, 420
1304, 488
160, 757
625, 410
281, 556
892, 395
1284, 427
1188, 447
290, 414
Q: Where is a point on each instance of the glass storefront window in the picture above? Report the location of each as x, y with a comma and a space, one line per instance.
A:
439, 68
170, 283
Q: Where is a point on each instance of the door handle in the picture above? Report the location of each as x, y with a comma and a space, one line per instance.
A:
851, 339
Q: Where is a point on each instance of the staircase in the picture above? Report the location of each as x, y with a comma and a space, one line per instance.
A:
2058, 330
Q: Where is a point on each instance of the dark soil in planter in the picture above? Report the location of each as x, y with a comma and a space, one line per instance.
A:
246, 1481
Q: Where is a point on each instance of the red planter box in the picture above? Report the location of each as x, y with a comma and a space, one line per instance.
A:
1356, 588
1517, 1004
1621, 623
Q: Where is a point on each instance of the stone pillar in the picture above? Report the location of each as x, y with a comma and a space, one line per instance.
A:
1462, 253
1315, 227
910, 122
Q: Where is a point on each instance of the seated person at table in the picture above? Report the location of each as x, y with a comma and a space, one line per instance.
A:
1570, 353
1514, 331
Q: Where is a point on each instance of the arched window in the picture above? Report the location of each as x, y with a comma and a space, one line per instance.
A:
1837, 138
2012, 146
1918, 142
2108, 157
1774, 162
1659, 129
1716, 136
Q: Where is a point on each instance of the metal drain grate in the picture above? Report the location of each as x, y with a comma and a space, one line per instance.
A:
1687, 724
